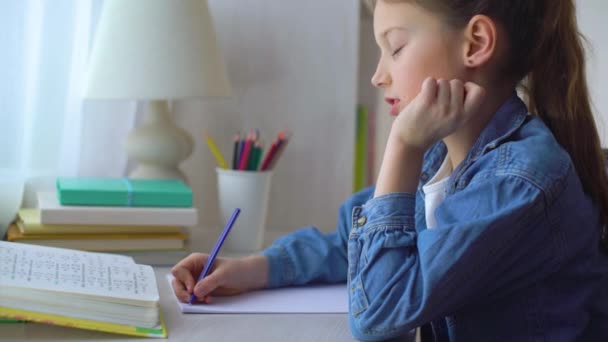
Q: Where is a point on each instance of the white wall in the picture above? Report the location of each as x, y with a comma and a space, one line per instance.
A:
592, 16
292, 64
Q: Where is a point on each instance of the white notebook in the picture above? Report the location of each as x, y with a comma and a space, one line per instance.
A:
51, 212
301, 299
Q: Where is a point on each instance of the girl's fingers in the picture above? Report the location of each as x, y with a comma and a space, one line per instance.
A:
188, 269
184, 276
180, 290
208, 285
428, 92
443, 95
457, 94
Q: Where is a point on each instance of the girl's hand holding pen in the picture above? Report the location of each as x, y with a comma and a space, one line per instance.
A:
228, 276
439, 110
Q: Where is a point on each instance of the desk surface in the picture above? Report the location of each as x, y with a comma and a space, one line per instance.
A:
208, 327
181, 327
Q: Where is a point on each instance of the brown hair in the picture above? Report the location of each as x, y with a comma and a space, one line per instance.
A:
548, 57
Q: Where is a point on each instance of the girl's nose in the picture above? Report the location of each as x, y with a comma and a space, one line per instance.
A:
380, 79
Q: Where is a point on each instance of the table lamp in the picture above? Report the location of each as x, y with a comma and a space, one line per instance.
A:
157, 51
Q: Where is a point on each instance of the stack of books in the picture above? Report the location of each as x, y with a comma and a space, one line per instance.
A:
144, 219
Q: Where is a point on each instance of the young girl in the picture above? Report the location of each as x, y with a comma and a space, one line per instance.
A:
486, 220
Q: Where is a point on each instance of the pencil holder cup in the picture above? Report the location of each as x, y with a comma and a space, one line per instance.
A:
11, 196
249, 191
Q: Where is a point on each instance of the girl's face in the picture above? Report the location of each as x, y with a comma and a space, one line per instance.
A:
414, 45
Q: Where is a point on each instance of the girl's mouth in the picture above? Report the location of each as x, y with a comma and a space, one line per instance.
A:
394, 105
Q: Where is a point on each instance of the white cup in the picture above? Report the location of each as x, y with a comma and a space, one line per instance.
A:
249, 191
11, 196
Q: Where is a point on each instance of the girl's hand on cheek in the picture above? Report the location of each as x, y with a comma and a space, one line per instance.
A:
441, 108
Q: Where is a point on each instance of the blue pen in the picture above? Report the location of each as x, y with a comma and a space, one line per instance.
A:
216, 248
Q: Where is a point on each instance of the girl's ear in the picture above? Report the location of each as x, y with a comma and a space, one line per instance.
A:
480, 41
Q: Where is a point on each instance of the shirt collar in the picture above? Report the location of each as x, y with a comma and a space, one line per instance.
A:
507, 119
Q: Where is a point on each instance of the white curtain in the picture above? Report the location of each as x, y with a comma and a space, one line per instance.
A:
47, 129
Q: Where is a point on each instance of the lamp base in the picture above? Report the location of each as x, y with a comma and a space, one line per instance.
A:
158, 145
151, 171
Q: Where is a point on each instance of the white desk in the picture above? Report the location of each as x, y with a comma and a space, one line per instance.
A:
183, 327
208, 327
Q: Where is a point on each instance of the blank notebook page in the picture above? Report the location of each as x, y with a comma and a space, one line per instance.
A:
304, 299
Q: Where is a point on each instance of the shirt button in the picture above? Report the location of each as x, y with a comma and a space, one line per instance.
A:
424, 177
361, 221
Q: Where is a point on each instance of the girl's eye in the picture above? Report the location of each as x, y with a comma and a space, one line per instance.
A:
396, 52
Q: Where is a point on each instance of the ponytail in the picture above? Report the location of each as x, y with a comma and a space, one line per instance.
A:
558, 94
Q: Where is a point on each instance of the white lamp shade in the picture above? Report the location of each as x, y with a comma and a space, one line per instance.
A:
155, 49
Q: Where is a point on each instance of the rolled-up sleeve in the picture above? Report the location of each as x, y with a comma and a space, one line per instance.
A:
399, 279
309, 255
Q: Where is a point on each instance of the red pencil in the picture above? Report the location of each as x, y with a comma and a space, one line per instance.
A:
246, 152
283, 143
269, 155
275, 148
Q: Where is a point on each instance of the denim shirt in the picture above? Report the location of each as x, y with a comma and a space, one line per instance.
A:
514, 256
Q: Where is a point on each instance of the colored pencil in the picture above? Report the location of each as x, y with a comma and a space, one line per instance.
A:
215, 151
269, 155
246, 151
235, 151
258, 157
274, 149
280, 149
241, 150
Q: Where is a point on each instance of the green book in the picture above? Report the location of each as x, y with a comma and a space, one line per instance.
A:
8, 320
79, 191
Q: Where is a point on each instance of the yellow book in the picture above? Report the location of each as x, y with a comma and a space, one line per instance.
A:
29, 223
84, 290
101, 242
159, 331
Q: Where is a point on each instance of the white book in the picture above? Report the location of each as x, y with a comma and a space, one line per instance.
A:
54, 285
51, 212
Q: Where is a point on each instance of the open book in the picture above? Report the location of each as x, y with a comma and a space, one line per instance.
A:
95, 291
